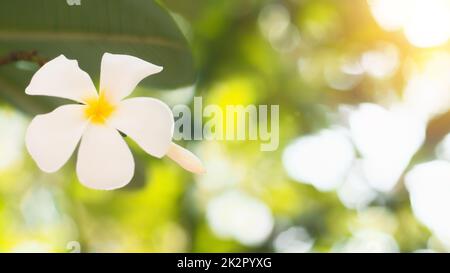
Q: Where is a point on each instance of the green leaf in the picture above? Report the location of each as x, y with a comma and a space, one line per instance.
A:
52, 27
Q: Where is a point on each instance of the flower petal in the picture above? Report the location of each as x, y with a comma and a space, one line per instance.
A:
104, 160
120, 74
51, 138
62, 78
147, 121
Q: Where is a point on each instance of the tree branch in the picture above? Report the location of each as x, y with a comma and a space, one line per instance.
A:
30, 56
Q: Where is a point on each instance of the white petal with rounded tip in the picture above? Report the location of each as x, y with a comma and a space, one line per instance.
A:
51, 138
62, 78
120, 74
147, 121
104, 160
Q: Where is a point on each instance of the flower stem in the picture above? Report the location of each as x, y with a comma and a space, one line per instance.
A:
185, 159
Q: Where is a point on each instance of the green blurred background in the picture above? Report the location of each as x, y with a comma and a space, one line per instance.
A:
317, 59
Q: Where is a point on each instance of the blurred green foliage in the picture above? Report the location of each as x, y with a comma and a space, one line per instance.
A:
235, 60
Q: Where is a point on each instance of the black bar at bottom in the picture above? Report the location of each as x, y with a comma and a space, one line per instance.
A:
227, 262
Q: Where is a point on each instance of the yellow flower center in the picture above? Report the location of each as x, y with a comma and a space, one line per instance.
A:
98, 109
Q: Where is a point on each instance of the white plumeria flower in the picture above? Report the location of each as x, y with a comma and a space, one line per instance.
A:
104, 159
